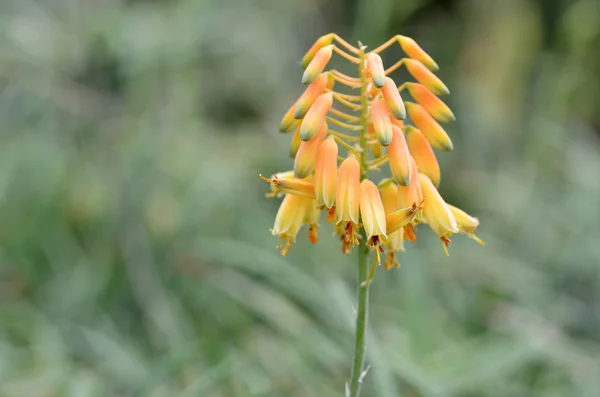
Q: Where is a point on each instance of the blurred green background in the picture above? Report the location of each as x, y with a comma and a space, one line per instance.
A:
135, 255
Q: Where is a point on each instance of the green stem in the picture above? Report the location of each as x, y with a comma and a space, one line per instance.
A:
362, 315
362, 311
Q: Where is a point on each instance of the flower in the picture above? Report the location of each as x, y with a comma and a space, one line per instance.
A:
422, 153
311, 218
295, 186
395, 243
315, 116
392, 99
289, 220
430, 128
434, 105
426, 77
466, 223
375, 65
347, 201
436, 212
321, 42
306, 157
326, 173
382, 124
372, 214
399, 156
414, 51
317, 64
309, 96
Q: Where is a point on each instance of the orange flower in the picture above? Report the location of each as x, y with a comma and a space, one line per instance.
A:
315, 116
372, 214
435, 134
466, 223
399, 157
311, 93
321, 42
347, 201
434, 105
412, 49
436, 212
289, 220
304, 163
326, 173
317, 64
382, 124
375, 65
426, 77
392, 99
423, 155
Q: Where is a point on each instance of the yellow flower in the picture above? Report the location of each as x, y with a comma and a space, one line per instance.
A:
436, 212
372, 214
426, 77
315, 116
317, 64
289, 220
395, 243
382, 124
325, 178
435, 134
422, 153
414, 51
306, 157
410, 195
347, 202
285, 184
434, 105
311, 218
321, 42
467, 224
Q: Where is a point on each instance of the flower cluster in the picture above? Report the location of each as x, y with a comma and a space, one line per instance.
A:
370, 127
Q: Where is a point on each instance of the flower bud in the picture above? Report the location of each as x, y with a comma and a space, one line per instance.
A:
295, 143
412, 49
375, 65
399, 157
311, 218
426, 77
348, 191
315, 116
436, 212
422, 153
304, 163
289, 123
392, 99
435, 134
372, 212
317, 64
434, 105
321, 42
311, 93
382, 123
326, 173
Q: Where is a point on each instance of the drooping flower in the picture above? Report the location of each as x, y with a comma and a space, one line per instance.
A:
347, 202
435, 134
395, 243
289, 220
294, 186
288, 122
436, 212
326, 173
311, 218
372, 214
304, 163
467, 224
422, 153
399, 156
315, 116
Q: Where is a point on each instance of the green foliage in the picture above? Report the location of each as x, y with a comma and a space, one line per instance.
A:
135, 257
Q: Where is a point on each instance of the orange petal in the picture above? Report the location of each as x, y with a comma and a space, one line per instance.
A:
411, 194
311, 93
317, 64
436, 212
426, 77
434, 105
435, 134
304, 163
348, 191
371, 210
315, 116
375, 65
412, 49
320, 43
392, 99
382, 124
399, 157
422, 153
326, 173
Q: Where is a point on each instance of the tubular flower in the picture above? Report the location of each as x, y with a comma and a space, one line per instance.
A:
395, 243
422, 153
321, 42
426, 77
289, 220
311, 93
382, 124
466, 223
430, 128
372, 214
436, 212
325, 178
368, 116
317, 64
399, 157
306, 157
392, 99
375, 65
347, 202
434, 105
315, 116
414, 51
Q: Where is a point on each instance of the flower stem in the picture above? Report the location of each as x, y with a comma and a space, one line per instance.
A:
362, 314
362, 311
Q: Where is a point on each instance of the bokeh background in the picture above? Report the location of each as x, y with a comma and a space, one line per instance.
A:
135, 253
